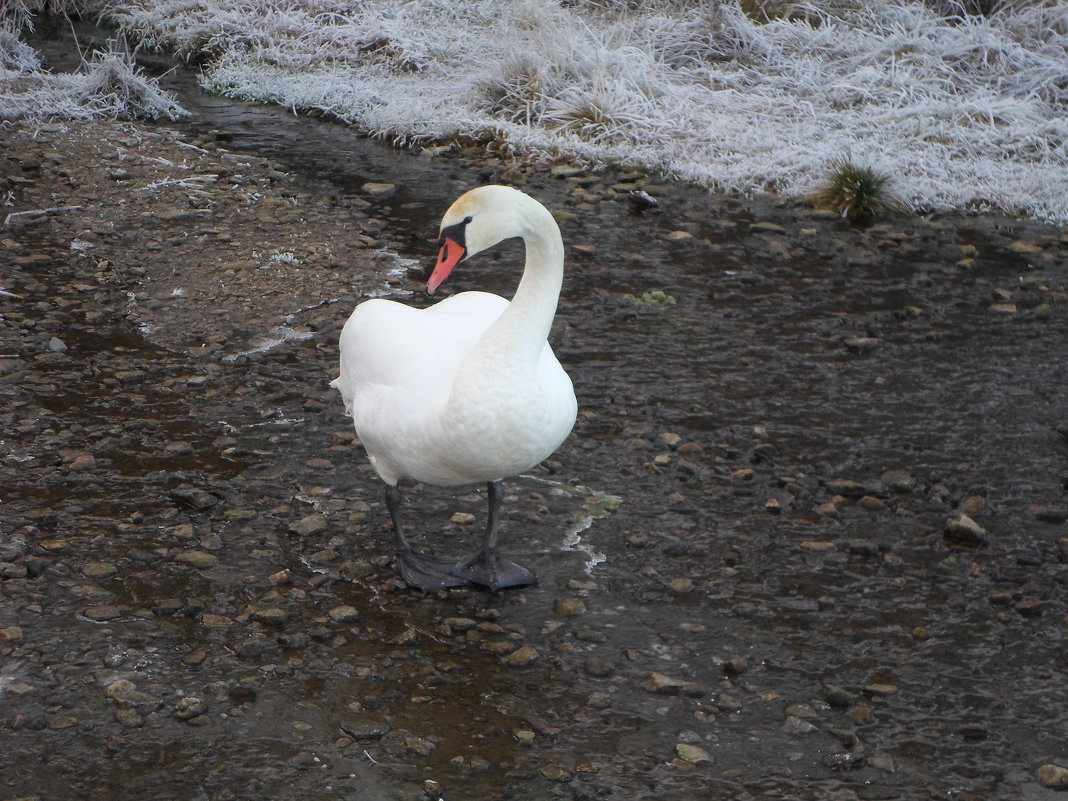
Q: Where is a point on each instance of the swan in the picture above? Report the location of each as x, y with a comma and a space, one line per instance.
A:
465, 391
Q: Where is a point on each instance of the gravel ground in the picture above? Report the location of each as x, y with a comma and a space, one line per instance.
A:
807, 540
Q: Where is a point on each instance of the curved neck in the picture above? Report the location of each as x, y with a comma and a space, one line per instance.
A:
524, 326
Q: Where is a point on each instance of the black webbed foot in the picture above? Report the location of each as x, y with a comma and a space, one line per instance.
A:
427, 572
493, 571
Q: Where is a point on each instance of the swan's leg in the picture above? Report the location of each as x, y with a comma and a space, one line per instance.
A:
487, 567
420, 570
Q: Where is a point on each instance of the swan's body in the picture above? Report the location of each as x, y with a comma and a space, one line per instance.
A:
468, 390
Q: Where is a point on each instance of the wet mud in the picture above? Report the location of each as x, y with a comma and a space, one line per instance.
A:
807, 540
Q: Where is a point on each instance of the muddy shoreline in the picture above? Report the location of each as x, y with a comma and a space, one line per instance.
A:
779, 415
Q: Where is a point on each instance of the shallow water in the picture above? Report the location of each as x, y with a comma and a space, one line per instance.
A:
788, 359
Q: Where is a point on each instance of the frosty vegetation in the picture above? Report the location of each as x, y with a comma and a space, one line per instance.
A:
961, 109
108, 84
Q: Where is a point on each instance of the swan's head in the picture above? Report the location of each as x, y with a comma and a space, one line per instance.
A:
479, 219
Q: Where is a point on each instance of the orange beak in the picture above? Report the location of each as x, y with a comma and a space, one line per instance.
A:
451, 253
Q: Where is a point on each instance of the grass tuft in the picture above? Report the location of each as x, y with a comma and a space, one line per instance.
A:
858, 192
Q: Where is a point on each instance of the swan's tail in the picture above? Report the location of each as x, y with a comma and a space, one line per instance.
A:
346, 393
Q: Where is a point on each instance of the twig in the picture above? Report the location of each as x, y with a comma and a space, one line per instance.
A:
40, 212
179, 181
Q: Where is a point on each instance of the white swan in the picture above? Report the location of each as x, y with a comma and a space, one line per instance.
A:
467, 390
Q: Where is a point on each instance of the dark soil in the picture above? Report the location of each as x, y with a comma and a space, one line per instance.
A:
755, 576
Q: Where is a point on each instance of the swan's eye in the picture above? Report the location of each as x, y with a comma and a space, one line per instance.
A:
467, 219
455, 232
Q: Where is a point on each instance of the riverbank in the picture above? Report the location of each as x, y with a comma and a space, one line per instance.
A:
779, 415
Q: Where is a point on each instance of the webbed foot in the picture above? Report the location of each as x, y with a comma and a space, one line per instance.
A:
493, 571
427, 572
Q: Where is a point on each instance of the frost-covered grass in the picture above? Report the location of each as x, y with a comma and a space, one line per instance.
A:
963, 103
108, 85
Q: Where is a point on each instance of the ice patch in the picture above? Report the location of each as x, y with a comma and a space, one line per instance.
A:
277, 336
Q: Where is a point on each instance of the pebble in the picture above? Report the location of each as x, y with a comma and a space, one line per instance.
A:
569, 607
199, 559
378, 189
662, 684
308, 525
272, 616
1055, 777
964, 530
191, 496
693, 754
344, 614
103, 612
189, 707
598, 667
521, 656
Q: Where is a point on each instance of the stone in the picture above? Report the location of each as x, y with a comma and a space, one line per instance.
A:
99, 570
344, 614
378, 189
103, 612
199, 559
964, 530
189, 707
364, 728
662, 684
308, 525
569, 607
272, 616
846, 487
521, 656
191, 496
1055, 777
693, 754
598, 667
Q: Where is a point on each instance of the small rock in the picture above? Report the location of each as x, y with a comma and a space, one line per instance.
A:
99, 570
862, 344
838, 696
662, 684
880, 689
364, 728
308, 525
57, 345
796, 725
462, 518
344, 614
1051, 514
189, 707
191, 496
419, 746
898, 480
599, 667
198, 559
272, 616
846, 487
555, 773
1055, 777
11, 634
766, 227
569, 607
693, 754
129, 717
103, 612
377, 189
520, 656
882, 761
965, 531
